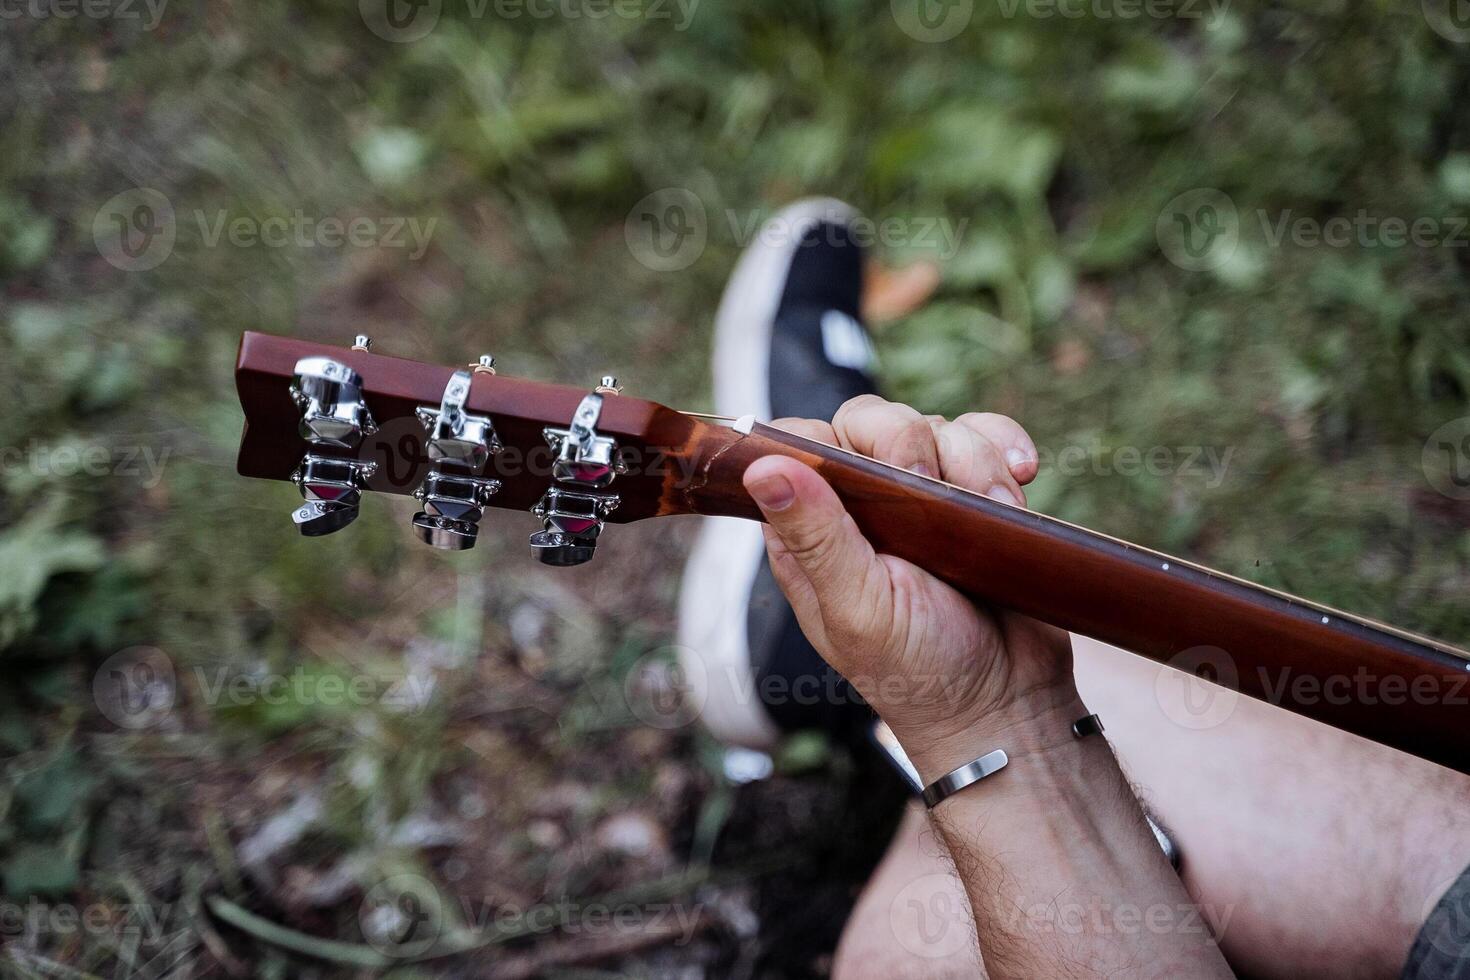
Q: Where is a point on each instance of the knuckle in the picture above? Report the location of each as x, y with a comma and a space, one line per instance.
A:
906, 437
970, 460
855, 405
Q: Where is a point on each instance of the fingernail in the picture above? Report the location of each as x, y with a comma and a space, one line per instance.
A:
1002, 494
773, 493
922, 469
1015, 457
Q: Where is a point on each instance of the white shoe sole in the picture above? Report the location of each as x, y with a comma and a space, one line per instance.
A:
714, 648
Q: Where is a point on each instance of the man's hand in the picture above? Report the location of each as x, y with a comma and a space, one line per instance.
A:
937, 667
1054, 854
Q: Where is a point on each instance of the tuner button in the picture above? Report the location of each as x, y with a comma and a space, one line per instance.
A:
363, 343
316, 518
609, 386
443, 533
559, 550
486, 364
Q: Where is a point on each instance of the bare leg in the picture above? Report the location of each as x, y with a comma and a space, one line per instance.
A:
913, 920
1313, 853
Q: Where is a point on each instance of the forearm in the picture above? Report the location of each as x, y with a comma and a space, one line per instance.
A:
1063, 873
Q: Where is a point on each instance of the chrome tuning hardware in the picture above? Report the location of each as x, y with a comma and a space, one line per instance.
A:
329, 394
332, 487
334, 415
454, 494
581, 455
584, 465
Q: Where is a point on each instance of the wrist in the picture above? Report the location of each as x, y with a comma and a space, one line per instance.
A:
1035, 722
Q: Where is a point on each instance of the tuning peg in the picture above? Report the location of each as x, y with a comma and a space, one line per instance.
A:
460, 443
485, 365
334, 416
316, 518
572, 522
333, 411
581, 455
585, 464
332, 487
362, 342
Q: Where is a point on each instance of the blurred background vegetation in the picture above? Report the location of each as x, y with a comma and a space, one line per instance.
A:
514, 770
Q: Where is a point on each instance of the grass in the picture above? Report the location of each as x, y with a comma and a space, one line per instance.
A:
1286, 393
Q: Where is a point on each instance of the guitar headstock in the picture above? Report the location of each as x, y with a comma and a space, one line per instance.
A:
342, 422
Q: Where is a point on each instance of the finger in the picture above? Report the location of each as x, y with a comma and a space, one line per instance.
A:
808, 429
1015, 446
968, 459
888, 432
848, 583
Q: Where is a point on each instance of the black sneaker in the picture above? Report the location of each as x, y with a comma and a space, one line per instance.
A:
789, 342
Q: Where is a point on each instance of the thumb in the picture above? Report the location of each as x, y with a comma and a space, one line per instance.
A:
847, 580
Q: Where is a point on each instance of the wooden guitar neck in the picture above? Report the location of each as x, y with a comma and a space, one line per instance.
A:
1376, 681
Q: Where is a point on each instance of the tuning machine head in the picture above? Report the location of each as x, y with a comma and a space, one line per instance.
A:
584, 465
459, 445
329, 394
582, 456
332, 488
572, 521
334, 417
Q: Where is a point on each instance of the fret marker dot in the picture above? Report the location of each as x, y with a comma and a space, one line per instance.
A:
1324, 619
1166, 566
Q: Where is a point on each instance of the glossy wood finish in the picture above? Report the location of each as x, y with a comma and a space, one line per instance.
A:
1393, 687
1402, 690
394, 387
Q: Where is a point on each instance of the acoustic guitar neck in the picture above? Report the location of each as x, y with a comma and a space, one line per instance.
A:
341, 423
1382, 683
